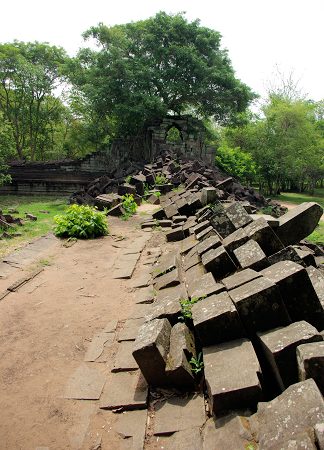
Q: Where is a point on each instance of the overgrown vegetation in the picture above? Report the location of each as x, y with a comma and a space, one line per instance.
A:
187, 304
81, 221
160, 178
129, 206
197, 364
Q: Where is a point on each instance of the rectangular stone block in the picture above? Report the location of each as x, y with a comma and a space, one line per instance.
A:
166, 263
182, 348
178, 219
239, 278
310, 359
206, 233
201, 227
261, 232
168, 306
260, 305
317, 280
167, 280
286, 254
151, 350
235, 240
208, 195
216, 320
204, 286
221, 222
208, 244
297, 292
250, 255
190, 261
299, 222
171, 210
187, 244
232, 376
218, 262
272, 221
238, 215
176, 234
194, 272
299, 408
159, 214
280, 346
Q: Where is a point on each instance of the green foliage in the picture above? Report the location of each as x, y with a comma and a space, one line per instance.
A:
129, 206
160, 178
6, 148
236, 162
29, 74
81, 221
157, 194
197, 364
128, 178
186, 305
145, 69
173, 136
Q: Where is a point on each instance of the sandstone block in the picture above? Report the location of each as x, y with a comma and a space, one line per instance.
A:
310, 359
280, 346
239, 278
218, 262
261, 232
250, 255
208, 244
204, 286
167, 280
238, 215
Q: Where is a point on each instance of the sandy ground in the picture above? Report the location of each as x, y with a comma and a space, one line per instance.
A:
45, 329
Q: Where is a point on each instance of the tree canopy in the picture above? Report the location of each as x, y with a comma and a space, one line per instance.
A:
147, 69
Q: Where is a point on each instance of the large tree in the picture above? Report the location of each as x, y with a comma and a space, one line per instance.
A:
147, 69
29, 75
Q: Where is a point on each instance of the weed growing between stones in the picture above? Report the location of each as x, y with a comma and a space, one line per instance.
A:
129, 206
160, 178
197, 364
81, 221
186, 305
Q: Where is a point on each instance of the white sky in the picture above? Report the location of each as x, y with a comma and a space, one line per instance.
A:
259, 34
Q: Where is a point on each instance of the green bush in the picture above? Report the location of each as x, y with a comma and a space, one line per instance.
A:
160, 178
82, 222
129, 205
236, 162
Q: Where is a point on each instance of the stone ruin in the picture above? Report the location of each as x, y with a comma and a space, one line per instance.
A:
239, 291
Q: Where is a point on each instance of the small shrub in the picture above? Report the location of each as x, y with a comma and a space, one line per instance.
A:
128, 178
81, 221
160, 178
157, 194
186, 305
129, 206
197, 364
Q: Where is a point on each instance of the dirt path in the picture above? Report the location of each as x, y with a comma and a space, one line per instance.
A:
45, 330
293, 205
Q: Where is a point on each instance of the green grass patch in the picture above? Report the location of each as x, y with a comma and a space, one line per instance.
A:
317, 237
44, 208
297, 197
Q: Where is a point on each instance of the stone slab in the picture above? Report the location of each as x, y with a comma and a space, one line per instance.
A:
97, 345
218, 262
238, 215
250, 255
131, 425
169, 279
264, 235
130, 329
144, 295
229, 432
86, 383
188, 243
124, 360
189, 439
126, 390
208, 244
166, 263
179, 413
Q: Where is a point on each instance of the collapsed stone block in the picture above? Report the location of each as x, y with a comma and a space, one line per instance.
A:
176, 234
126, 188
272, 221
171, 210
195, 272
208, 195
218, 262
298, 409
169, 279
221, 222
206, 233
167, 262
250, 255
191, 260
239, 278
259, 305
107, 201
179, 219
310, 359
235, 240
159, 214
307, 256
216, 320
288, 253
238, 215
317, 280
153, 199
263, 234
201, 227
182, 348
151, 349
208, 244
299, 222
232, 376
187, 244
204, 286
279, 347
297, 292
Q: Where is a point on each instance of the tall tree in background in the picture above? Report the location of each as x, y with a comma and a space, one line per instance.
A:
147, 69
29, 75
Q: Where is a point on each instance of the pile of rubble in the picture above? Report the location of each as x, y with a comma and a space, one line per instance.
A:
174, 171
241, 290
9, 223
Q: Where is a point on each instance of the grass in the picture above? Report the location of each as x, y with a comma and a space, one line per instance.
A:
317, 237
30, 230
297, 197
